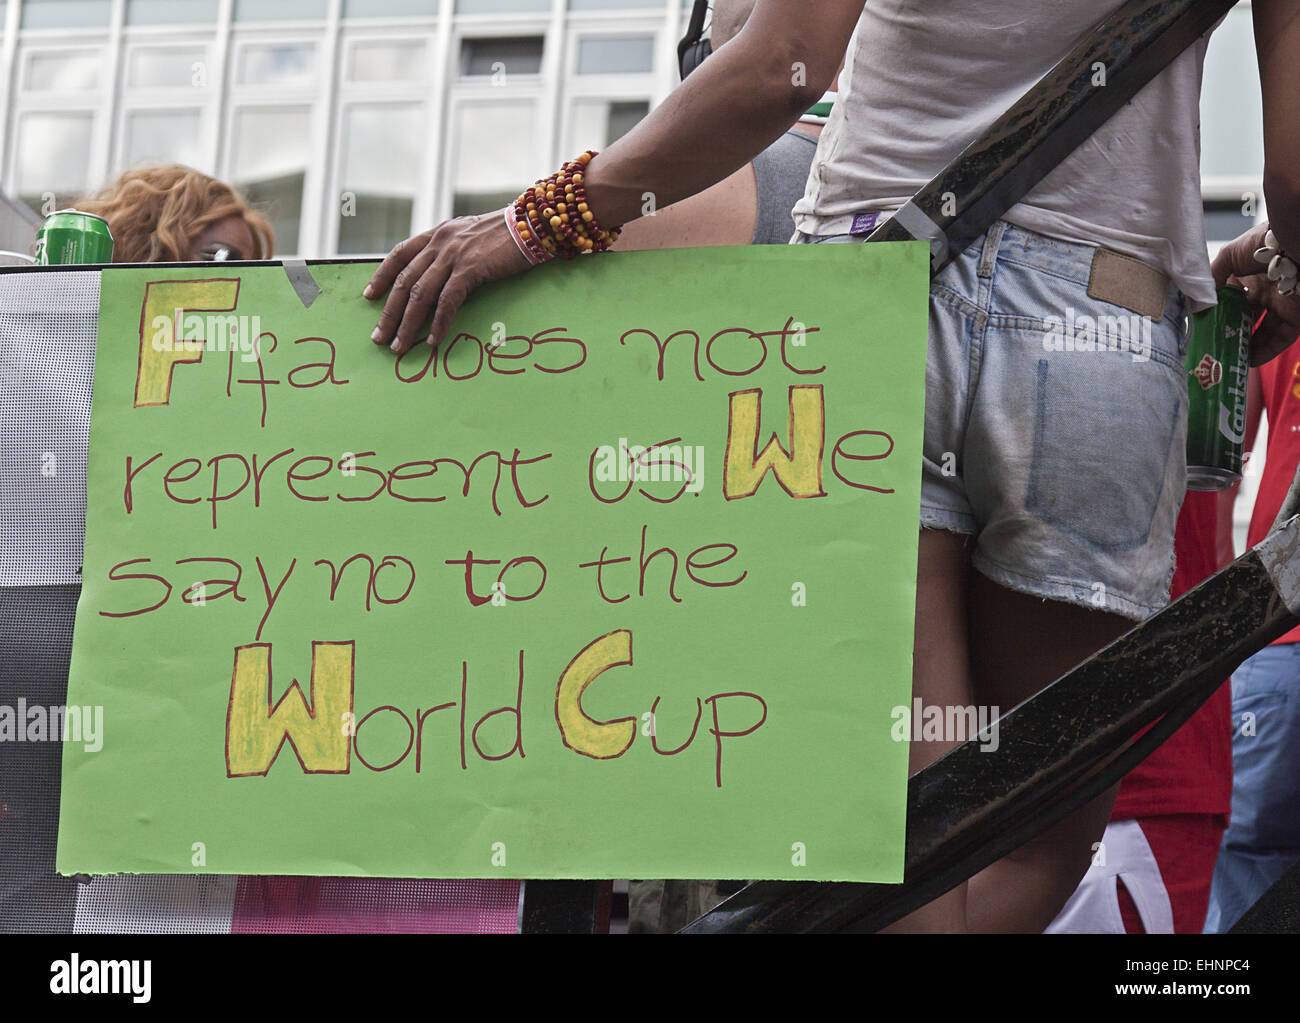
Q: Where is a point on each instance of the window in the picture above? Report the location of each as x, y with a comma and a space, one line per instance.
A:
385, 61
281, 10
1232, 131
172, 12
66, 13
271, 64
596, 123
74, 71
382, 146
513, 55
601, 55
389, 8
1227, 218
269, 163
623, 117
497, 154
502, 6
156, 67
53, 151
162, 136
620, 5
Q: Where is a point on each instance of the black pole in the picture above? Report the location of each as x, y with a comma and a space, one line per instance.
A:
968, 808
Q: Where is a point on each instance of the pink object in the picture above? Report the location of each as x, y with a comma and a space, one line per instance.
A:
364, 905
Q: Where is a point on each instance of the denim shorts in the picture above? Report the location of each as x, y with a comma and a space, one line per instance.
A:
1055, 424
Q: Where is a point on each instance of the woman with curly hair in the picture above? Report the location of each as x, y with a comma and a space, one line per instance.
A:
174, 214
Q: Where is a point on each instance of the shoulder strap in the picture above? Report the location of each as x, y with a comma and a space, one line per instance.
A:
1130, 47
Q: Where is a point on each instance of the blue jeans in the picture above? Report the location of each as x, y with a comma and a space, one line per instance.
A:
1263, 836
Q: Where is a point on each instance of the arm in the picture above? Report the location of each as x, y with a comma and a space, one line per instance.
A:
723, 214
733, 107
1277, 46
738, 102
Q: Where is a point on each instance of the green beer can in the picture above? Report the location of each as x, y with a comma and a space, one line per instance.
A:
70, 236
1218, 362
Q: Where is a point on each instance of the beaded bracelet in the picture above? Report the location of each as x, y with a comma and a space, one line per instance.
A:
553, 218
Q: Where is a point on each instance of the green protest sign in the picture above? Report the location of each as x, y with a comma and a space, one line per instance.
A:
616, 582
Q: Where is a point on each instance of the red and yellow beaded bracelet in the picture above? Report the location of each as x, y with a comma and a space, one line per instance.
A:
553, 218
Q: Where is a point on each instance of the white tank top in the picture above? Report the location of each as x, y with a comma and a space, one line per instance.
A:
924, 78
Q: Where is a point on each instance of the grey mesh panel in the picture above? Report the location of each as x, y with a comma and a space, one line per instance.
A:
156, 904
45, 384
35, 642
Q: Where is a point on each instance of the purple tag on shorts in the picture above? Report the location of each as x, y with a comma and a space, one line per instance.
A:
864, 223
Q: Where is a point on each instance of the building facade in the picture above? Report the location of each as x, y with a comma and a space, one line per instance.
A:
357, 122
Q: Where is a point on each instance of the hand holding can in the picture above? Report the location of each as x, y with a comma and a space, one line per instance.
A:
1218, 363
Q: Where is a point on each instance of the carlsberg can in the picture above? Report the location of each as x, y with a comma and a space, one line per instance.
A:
70, 236
1218, 361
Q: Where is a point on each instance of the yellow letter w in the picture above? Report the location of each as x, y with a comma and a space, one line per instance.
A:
797, 471
256, 730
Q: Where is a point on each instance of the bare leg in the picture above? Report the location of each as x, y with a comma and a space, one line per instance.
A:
979, 643
941, 675
1019, 644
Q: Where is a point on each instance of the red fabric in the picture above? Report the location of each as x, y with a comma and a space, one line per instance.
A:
1191, 773
1128, 910
1185, 847
1280, 382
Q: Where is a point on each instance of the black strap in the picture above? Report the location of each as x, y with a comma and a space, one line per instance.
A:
1048, 123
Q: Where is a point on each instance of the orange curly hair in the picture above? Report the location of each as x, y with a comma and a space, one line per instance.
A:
155, 213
